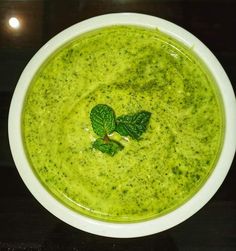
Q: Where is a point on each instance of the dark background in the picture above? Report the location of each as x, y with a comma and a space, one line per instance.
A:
24, 223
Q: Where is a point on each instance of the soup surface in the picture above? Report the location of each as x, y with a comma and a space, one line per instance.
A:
130, 69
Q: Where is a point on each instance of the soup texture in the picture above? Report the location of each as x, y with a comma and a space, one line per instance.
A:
130, 69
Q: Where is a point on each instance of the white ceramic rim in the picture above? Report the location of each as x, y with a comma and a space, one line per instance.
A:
123, 230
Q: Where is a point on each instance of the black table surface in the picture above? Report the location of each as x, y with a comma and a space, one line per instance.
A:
24, 223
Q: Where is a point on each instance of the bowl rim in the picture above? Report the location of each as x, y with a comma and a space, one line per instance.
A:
123, 230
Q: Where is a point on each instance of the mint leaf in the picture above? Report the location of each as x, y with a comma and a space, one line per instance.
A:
133, 125
103, 120
110, 147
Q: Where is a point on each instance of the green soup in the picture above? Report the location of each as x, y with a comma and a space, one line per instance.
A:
130, 69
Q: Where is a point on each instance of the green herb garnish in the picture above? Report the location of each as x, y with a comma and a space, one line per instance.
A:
110, 147
104, 122
133, 125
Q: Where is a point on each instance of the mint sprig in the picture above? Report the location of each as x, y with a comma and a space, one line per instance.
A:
104, 122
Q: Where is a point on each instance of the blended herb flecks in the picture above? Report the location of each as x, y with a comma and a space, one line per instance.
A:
132, 69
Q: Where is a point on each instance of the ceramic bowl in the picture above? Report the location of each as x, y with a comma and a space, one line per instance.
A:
124, 230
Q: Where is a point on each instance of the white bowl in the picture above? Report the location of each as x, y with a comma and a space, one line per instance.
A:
124, 230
